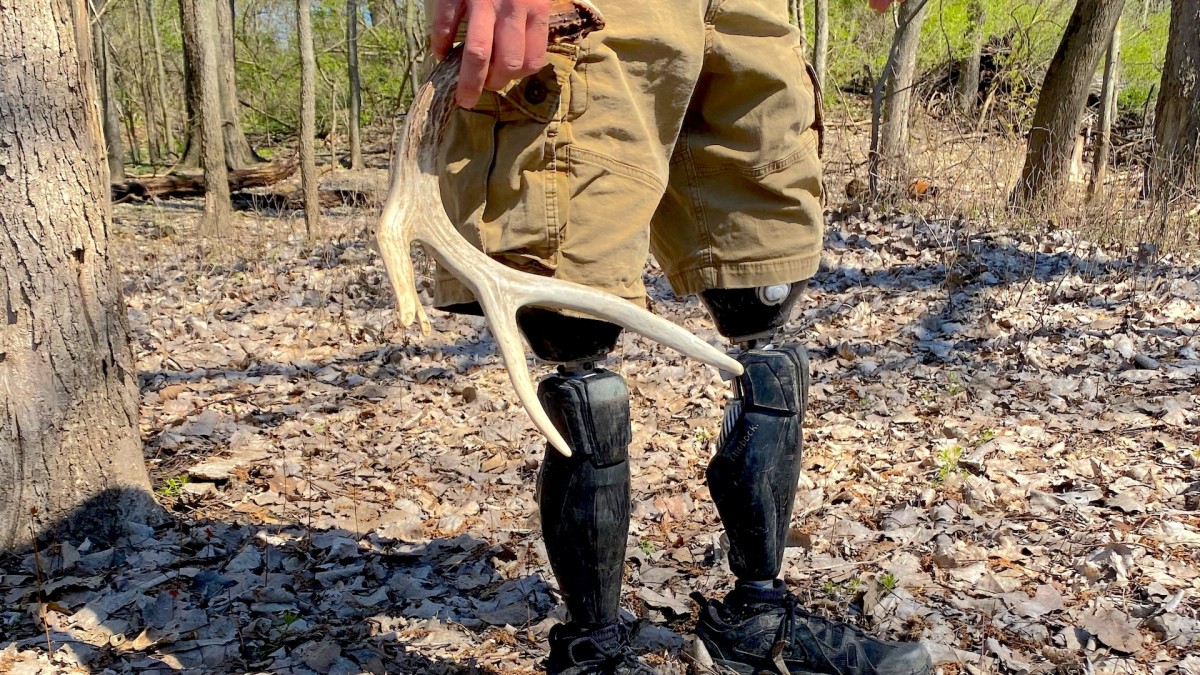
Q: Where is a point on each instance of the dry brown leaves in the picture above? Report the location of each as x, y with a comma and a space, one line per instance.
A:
1002, 460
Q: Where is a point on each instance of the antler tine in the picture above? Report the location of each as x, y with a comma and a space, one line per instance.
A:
502, 319
414, 213
565, 295
394, 244
405, 209
502, 291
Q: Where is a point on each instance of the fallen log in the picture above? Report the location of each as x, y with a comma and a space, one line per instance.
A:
294, 200
179, 185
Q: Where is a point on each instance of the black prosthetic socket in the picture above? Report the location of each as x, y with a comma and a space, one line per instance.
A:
555, 337
471, 308
749, 314
558, 338
584, 498
753, 476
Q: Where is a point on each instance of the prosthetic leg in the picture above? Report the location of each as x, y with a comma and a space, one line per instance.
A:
752, 478
584, 498
753, 475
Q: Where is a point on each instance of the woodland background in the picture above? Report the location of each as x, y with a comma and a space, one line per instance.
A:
220, 453
966, 86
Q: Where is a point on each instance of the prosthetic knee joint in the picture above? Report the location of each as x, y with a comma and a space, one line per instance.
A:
753, 476
584, 499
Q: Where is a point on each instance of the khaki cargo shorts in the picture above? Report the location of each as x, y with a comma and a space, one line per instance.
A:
686, 128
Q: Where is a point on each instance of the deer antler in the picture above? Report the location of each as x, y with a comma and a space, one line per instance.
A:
414, 213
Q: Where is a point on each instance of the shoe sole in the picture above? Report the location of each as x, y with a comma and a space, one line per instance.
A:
702, 663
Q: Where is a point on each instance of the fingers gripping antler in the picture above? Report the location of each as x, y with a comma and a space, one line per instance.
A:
414, 213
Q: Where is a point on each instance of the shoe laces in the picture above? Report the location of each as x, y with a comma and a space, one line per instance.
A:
827, 631
784, 634
617, 653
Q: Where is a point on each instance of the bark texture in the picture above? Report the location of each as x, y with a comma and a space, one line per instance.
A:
108, 95
356, 161
308, 117
217, 207
796, 10
128, 110
892, 98
1108, 110
161, 80
238, 153
191, 83
145, 86
70, 455
1064, 95
414, 38
897, 102
821, 39
968, 83
1177, 114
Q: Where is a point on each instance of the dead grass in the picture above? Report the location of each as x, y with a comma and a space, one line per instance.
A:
973, 175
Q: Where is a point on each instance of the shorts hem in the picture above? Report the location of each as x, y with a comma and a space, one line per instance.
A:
745, 275
453, 292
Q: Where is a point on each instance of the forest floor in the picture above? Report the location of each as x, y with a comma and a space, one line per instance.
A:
1002, 459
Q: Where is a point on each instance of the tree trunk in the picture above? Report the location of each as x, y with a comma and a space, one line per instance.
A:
414, 37
177, 185
70, 455
331, 138
821, 40
1176, 165
238, 153
1108, 110
968, 83
308, 117
217, 207
191, 85
1062, 100
153, 145
108, 95
161, 72
129, 116
893, 93
796, 10
356, 161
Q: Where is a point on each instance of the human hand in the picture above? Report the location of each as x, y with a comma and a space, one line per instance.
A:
506, 41
881, 6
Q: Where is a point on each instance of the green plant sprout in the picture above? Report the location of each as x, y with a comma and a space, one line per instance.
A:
888, 582
173, 487
947, 462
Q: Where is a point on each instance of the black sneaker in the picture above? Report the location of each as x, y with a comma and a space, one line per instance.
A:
757, 630
602, 651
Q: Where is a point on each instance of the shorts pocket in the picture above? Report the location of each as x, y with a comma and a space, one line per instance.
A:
606, 237
504, 170
545, 96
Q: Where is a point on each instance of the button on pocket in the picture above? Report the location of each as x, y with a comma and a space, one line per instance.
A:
535, 91
542, 96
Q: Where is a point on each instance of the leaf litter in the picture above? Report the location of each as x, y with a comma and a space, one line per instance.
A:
1002, 459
